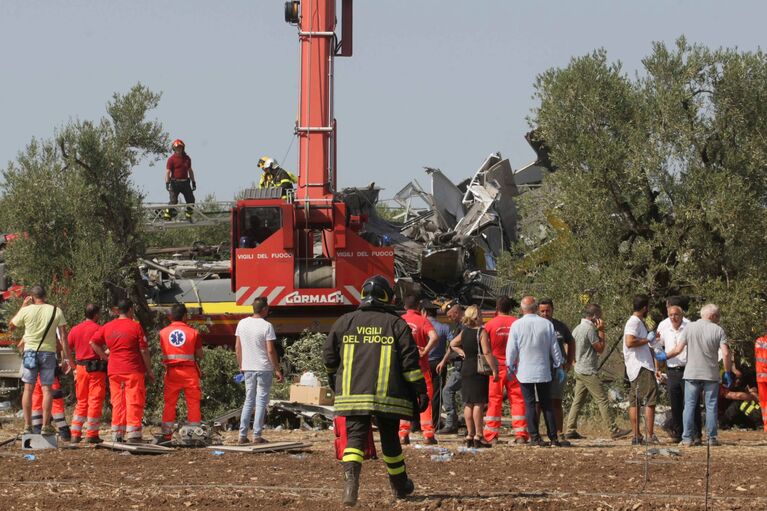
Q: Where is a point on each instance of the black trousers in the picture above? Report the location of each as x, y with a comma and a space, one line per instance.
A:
529, 392
357, 428
675, 388
436, 398
181, 187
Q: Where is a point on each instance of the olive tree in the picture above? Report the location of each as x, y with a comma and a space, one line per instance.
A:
72, 200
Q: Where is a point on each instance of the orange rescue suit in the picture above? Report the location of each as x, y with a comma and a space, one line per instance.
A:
179, 342
760, 353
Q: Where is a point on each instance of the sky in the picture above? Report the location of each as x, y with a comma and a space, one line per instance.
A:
438, 83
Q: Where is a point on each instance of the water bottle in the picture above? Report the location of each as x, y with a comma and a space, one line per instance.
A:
468, 450
442, 457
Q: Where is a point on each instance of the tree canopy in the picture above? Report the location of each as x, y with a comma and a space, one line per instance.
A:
72, 199
660, 185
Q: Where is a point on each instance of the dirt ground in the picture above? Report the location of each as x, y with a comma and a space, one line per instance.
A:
594, 474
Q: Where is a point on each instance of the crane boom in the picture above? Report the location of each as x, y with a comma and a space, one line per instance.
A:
306, 250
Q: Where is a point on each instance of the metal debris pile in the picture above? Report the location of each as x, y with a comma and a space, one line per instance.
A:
448, 241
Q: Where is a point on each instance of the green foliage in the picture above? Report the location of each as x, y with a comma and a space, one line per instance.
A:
73, 199
660, 186
304, 354
219, 393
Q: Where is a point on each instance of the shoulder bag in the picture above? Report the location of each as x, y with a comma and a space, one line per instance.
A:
30, 357
483, 367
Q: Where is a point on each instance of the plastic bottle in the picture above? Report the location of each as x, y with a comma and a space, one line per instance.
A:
442, 457
468, 450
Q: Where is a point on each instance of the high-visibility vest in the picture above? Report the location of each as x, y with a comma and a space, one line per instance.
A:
760, 352
178, 342
748, 407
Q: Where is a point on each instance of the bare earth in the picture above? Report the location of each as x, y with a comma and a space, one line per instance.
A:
595, 474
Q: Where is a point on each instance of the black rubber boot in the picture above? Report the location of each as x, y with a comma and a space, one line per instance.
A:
65, 433
401, 486
352, 478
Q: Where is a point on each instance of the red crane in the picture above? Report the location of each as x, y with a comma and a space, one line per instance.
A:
308, 253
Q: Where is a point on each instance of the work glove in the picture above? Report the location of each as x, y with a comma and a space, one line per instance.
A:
728, 378
561, 374
167, 185
238, 378
661, 356
651, 337
423, 402
194, 185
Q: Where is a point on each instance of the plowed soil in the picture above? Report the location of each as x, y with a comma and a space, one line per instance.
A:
594, 474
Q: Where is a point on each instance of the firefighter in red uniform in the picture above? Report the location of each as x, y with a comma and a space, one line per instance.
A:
179, 180
181, 351
498, 331
760, 352
128, 365
425, 338
90, 378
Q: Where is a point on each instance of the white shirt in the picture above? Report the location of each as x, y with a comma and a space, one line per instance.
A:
254, 333
639, 357
668, 340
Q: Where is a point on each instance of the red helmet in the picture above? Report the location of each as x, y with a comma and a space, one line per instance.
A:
178, 143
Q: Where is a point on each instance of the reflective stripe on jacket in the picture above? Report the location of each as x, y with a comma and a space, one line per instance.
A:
375, 363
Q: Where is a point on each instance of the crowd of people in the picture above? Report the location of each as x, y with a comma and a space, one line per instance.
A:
115, 357
403, 370
385, 369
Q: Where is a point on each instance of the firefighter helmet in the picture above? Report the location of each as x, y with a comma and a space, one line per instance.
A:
266, 163
178, 143
377, 290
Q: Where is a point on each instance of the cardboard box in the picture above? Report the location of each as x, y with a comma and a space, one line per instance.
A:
311, 395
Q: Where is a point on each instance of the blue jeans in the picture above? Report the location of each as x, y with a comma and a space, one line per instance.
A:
692, 392
452, 387
46, 368
257, 387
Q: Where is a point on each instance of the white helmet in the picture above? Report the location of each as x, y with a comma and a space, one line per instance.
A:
266, 162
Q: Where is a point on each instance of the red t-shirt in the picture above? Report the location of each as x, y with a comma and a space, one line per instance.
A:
420, 327
498, 331
179, 166
79, 339
124, 338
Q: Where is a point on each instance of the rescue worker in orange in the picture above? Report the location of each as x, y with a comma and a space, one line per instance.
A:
760, 352
128, 365
498, 331
58, 408
179, 179
181, 352
426, 339
90, 378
